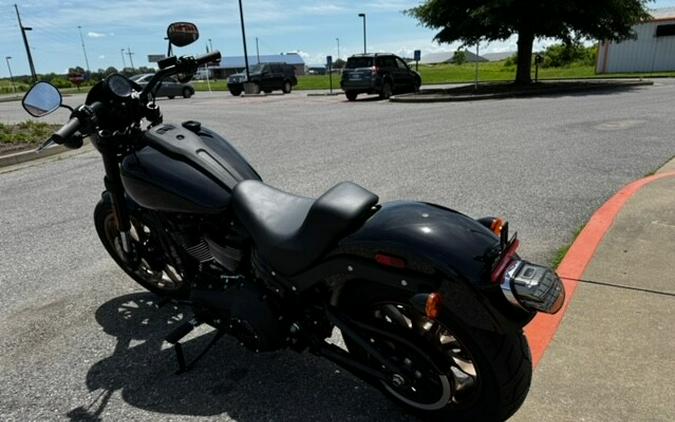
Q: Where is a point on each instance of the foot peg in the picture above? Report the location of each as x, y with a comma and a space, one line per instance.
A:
178, 334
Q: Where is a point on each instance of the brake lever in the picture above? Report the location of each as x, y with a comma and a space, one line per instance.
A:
45, 144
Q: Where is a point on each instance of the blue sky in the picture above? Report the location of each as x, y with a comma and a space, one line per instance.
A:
309, 27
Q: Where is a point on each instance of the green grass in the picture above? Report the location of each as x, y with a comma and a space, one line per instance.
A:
560, 255
448, 74
431, 75
28, 132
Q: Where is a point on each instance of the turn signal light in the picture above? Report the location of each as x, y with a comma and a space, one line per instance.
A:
433, 306
497, 226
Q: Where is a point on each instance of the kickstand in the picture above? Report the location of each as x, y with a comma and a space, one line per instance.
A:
182, 331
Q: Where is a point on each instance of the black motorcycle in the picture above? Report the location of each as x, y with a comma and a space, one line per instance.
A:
430, 303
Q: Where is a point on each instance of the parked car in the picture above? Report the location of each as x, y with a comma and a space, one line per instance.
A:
378, 73
268, 77
170, 86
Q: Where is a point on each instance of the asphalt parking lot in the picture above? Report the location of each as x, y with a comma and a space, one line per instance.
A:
81, 342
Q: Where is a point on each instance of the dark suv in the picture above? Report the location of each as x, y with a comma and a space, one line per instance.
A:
268, 77
378, 73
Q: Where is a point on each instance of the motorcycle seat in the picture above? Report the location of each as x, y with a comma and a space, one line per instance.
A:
290, 232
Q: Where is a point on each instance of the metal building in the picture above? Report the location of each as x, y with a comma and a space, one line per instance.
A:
652, 51
230, 65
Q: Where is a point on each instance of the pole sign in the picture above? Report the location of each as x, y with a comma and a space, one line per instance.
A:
418, 57
329, 67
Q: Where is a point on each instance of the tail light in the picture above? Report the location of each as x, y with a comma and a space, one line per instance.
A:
504, 261
375, 70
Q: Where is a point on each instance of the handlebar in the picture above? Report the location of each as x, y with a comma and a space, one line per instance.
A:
207, 58
66, 131
175, 66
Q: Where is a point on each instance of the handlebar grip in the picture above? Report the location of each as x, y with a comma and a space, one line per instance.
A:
208, 58
66, 131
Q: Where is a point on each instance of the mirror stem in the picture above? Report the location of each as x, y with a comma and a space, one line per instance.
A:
68, 107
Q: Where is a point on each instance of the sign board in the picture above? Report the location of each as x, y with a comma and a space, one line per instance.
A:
329, 61
418, 55
154, 58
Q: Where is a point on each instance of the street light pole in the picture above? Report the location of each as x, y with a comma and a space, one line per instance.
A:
363, 15
84, 50
124, 62
338, 43
257, 50
25, 42
243, 36
211, 44
11, 77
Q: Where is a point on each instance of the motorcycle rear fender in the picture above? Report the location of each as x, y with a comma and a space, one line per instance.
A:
443, 250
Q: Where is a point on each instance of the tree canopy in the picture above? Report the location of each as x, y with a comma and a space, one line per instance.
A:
472, 21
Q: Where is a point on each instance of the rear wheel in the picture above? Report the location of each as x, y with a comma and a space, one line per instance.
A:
453, 372
386, 91
171, 97
235, 92
287, 87
152, 270
187, 93
351, 95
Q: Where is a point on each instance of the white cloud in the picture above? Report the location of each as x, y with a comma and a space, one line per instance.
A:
101, 57
92, 34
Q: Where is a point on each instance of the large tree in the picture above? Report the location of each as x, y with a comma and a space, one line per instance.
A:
471, 21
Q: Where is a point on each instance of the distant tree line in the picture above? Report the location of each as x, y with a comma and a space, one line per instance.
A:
23, 82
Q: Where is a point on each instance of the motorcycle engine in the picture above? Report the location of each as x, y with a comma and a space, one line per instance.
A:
252, 316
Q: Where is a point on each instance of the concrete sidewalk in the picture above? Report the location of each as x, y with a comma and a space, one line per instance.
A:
613, 357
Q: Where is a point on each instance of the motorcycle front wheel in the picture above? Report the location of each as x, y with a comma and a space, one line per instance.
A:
151, 267
453, 372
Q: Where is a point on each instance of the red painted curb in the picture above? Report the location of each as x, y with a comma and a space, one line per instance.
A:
542, 329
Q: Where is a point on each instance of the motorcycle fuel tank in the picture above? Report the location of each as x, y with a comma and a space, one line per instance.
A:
184, 169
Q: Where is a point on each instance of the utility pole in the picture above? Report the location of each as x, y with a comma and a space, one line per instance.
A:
257, 50
338, 42
131, 60
86, 61
363, 15
25, 42
210, 44
124, 62
11, 77
243, 36
477, 55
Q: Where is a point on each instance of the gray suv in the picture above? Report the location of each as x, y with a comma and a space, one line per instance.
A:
378, 73
170, 86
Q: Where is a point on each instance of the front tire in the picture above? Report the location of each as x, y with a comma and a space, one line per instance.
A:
351, 95
485, 375
187, 93
154, 274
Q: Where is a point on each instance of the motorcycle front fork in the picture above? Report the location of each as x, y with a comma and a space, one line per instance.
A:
113, 184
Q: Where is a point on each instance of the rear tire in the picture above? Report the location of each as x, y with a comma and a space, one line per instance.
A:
287, 87
386, 91
489, 375
171, 97
187, 93
235, 92
164, 282
351, 95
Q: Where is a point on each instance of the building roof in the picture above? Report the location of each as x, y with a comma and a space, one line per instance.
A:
447, 56
236, 62
663, 13
495, 57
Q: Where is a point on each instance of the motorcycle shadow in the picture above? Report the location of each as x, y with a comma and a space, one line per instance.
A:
229, 380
